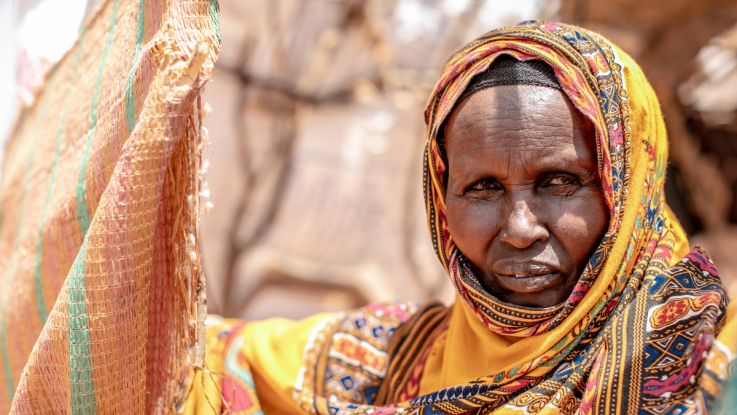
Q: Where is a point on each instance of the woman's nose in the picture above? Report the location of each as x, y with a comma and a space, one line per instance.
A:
523, 227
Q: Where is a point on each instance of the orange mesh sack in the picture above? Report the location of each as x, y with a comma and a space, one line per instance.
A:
101, 293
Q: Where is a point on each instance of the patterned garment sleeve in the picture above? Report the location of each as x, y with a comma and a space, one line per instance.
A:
251, 368
346, 359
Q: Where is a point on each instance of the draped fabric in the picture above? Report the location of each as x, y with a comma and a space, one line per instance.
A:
101, 290
643, 331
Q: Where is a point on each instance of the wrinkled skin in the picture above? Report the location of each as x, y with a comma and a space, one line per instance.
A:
524, 199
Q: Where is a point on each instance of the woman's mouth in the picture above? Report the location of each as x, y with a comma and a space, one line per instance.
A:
527, 277
528, 284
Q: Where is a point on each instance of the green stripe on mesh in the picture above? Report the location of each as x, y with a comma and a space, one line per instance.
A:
81, 384
82, 388
83, 211
130, 103
215, 17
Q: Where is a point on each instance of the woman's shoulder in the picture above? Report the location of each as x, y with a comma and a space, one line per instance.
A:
348, 357
266, 364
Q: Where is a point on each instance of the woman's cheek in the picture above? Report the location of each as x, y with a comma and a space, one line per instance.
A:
472, 223
579, 224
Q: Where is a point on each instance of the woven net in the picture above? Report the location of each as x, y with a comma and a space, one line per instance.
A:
101, 293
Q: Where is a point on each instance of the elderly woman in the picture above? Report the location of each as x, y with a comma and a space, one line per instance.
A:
576, 289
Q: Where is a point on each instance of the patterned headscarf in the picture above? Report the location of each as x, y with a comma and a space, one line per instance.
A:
591, 74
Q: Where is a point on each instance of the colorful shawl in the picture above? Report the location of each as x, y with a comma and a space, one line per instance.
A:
638, 334
100, 283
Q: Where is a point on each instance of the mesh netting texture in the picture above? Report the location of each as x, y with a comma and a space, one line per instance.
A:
101, 291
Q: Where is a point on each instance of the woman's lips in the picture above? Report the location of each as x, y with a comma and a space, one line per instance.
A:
527, 277
527, 284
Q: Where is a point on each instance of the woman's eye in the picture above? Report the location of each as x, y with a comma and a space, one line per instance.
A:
484, 185
560, 180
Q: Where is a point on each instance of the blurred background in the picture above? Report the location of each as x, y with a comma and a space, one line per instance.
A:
316, 132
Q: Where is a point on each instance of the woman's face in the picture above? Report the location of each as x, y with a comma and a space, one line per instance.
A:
524, 200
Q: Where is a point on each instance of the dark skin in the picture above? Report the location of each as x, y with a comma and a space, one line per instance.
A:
524, 199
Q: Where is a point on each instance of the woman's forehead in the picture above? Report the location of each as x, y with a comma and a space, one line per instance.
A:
524, 122
492, 111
